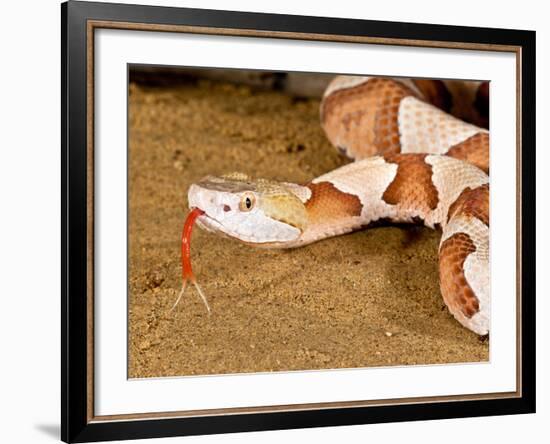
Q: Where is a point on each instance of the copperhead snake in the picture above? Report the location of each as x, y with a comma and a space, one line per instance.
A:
413, 161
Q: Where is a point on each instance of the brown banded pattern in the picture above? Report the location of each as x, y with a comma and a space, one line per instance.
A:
328, 203
362, 120
457, 293
413, 186
474, 150
472, 203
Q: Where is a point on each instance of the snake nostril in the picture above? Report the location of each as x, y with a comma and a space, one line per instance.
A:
226, 208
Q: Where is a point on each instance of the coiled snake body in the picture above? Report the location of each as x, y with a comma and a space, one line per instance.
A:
413, 162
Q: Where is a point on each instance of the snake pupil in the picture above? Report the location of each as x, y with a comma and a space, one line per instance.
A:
248, 203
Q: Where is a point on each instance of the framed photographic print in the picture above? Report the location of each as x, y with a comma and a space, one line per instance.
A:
363, 193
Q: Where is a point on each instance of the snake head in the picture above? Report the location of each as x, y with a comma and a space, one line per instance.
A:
257, 211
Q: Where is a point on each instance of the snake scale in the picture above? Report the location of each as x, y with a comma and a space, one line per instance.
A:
414, 161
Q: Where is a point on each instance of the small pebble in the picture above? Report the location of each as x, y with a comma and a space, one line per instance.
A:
389, 334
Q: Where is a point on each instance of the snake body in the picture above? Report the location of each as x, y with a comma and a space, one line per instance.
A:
413, 162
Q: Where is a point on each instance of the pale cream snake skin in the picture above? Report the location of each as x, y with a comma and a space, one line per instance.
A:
413, 162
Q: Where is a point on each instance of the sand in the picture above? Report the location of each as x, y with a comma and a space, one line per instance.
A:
370, 298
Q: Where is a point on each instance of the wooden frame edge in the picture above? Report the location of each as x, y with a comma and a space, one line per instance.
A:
234, 32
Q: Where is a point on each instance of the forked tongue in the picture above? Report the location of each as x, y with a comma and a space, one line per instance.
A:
187, 271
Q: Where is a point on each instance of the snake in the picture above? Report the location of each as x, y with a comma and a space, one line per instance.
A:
419, 152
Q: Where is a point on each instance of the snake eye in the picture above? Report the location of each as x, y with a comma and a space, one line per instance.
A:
247, 202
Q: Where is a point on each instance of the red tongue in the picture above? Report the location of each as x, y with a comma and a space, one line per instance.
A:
186, 270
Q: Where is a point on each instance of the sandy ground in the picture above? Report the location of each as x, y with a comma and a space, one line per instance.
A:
366, 299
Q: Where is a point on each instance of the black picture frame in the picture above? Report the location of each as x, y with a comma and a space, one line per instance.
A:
77, 425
